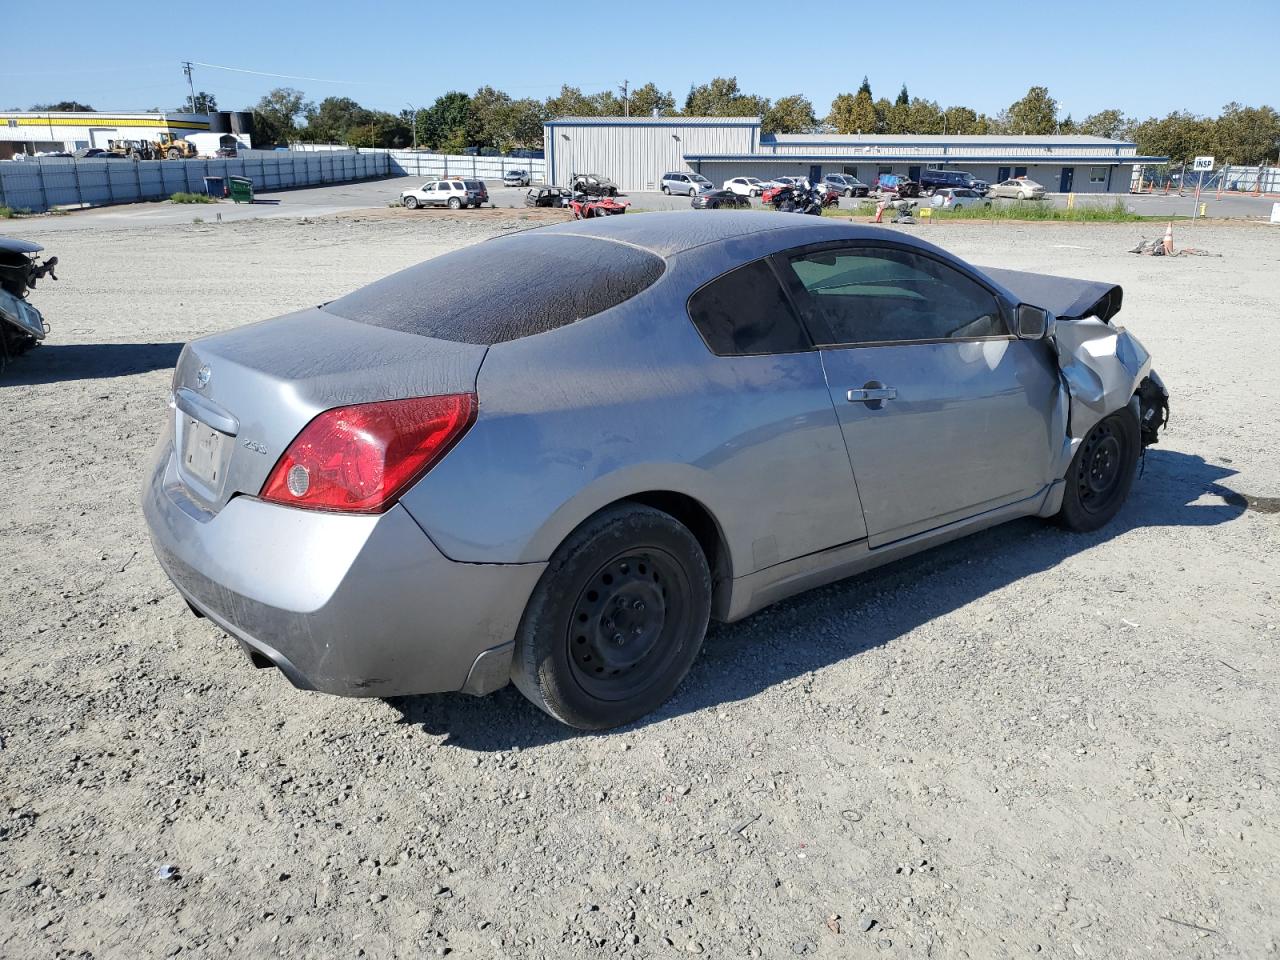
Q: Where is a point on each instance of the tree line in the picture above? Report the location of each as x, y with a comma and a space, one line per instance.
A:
492, 120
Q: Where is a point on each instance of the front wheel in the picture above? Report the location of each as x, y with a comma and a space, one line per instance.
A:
616, 620
1101, 473
411, 203
667, 191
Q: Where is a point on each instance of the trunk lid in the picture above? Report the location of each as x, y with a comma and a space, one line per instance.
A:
241, 397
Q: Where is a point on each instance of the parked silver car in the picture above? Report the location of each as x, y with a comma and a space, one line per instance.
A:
515, 178
1019, 188
557, 472
689, 184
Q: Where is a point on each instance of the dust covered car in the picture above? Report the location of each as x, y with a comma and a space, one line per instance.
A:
617, 429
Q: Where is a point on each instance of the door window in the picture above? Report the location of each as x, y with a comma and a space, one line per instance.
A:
746, 312
873, 295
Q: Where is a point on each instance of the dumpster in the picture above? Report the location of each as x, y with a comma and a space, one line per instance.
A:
241, 189
215, 187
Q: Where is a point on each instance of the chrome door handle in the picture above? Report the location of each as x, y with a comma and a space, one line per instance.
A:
863, 394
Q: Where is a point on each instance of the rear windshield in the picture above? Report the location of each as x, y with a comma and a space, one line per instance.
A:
473, 184
504, 289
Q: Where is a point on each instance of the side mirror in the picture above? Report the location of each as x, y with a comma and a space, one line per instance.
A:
1034, 323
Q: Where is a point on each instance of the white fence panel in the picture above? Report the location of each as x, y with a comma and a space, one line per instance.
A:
38, 185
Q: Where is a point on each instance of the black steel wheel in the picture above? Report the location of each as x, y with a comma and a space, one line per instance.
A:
1101, 472
616, 620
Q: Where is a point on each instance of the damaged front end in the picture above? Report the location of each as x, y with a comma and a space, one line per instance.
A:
1104, 367
21, 325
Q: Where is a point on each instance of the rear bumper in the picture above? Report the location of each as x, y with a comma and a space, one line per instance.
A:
361, 606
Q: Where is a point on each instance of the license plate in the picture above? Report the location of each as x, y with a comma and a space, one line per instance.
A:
204, 452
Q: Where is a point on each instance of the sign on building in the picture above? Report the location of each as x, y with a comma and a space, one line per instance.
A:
1202, 163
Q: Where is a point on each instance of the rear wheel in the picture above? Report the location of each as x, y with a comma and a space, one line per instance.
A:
1101, 473
616, 620
411, 203
455, 203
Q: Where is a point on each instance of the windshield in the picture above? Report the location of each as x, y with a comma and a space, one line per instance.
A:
698, 178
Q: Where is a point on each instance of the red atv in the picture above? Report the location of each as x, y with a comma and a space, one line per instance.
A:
585, 207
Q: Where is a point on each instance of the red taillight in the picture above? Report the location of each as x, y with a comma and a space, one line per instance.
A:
359, 459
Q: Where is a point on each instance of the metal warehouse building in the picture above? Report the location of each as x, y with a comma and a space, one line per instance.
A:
32, 133
635, 152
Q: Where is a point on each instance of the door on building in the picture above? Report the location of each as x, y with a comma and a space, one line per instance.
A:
1002, 174
913, 173
1067, 180
922, 369
101, 136
1019, 171
815, 173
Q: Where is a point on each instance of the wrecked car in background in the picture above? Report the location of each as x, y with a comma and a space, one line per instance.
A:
548, 197
21, 324
558, 477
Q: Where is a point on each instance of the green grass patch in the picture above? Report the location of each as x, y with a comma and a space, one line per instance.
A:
182, 197
6, 213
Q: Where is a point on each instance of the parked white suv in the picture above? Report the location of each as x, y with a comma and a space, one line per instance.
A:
454, 194
690, 184
745, 186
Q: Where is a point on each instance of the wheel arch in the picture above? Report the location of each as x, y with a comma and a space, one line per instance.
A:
701, 522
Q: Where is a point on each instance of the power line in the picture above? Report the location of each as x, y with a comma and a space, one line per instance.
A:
282, 76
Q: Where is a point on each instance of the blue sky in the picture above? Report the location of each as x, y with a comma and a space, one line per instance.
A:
388, 53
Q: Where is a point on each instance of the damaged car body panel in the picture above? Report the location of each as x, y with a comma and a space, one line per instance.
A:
1104, 367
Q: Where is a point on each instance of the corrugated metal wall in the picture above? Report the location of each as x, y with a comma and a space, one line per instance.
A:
636, 154
38, 185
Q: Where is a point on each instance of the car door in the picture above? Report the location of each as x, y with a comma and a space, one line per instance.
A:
945, 413
431, 193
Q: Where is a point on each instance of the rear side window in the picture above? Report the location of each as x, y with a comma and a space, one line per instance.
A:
504, 289
744, 312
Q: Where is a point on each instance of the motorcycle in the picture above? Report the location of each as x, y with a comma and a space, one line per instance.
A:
21, 325
798, 200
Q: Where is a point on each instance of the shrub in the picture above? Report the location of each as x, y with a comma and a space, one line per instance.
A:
181, 197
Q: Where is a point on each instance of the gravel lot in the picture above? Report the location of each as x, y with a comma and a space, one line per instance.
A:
1026, 743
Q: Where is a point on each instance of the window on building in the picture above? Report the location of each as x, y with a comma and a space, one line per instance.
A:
884, 168
1019, 171
850, 171
1097, 174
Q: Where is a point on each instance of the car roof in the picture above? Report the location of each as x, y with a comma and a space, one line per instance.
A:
670, 233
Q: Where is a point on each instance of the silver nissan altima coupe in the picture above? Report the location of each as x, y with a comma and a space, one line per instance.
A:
551, 457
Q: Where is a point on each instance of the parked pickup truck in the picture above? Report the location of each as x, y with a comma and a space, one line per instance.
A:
931, 180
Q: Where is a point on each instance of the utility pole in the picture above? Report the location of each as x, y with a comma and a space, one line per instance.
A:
186, 68
414, 111
626, 104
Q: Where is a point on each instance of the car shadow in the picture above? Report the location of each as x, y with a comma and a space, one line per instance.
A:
58, 362
798, 636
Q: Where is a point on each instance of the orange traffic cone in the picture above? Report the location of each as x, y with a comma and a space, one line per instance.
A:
1168, 240
879, 211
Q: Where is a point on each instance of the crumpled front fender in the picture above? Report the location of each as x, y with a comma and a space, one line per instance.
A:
1102, 366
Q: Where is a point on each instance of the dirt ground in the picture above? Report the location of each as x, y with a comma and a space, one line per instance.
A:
1026, 743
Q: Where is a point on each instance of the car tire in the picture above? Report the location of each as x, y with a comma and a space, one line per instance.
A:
1021, 195
632, 570
411, 203
455, 203
1101, 473
666, 190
